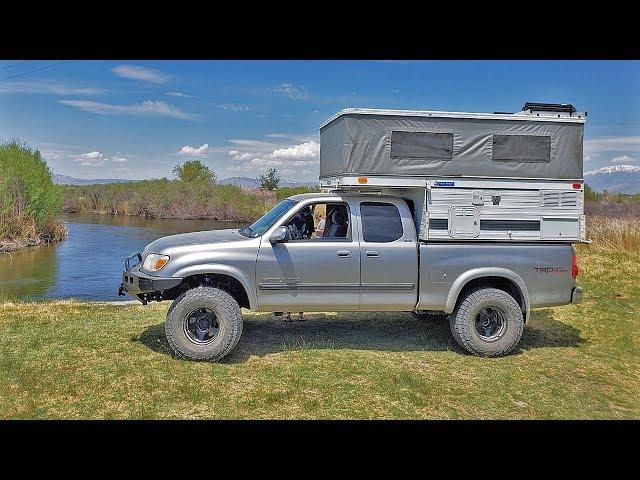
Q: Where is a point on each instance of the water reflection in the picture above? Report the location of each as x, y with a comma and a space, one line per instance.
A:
88, 264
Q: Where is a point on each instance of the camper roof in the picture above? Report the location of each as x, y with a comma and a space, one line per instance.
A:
538, 113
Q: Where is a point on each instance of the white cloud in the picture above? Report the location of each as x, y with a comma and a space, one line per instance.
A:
243, 156
89, 159
179, 94
294, 92
595, 146
146, 108
623, 159
118, 159
308, 150
189, 151
587, 159
135, 72
47, 87
234, 107
301, 155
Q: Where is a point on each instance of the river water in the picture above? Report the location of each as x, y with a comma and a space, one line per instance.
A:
88, 264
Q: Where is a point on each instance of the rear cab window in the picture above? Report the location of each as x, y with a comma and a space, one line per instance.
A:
381, 222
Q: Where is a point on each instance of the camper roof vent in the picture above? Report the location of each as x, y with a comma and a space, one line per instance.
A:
549, 107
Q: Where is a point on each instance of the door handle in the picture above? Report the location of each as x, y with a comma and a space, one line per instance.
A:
372, 253
344, 253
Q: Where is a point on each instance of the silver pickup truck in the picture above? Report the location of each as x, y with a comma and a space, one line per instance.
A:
346, 252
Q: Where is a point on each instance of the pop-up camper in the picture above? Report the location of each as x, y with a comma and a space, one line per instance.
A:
476, 176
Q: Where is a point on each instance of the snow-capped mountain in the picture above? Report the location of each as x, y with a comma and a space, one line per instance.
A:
616, 178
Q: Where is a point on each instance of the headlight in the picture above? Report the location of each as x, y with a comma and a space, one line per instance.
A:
155, 262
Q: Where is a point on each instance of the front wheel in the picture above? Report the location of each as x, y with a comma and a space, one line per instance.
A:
203, 323
487, 322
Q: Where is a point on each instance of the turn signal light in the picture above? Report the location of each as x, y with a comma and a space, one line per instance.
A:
575, 270
363, 179
577, 186
154, 262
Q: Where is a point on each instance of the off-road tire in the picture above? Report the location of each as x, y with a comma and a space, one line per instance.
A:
463, 327
228, 316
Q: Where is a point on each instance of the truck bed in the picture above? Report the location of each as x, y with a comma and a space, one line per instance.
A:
544, 269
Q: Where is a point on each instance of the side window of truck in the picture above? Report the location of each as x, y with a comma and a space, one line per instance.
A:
320, 221
381, 222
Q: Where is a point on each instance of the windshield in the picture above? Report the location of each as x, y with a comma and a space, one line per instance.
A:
267, 221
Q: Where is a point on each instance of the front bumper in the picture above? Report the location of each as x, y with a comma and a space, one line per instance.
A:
576, 295
138, 284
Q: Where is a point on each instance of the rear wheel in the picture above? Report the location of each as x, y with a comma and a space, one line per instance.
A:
487, 322
203, 324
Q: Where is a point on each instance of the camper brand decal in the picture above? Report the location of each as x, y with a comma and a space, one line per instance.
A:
550, 269
495, 199
445, 184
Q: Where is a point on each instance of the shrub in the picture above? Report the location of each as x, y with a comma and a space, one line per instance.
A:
29, 201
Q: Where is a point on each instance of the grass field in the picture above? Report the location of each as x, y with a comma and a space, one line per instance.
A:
82, 360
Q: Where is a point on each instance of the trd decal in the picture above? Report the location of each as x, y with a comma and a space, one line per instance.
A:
282, 280
550, 269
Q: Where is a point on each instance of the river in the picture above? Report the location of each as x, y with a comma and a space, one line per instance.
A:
88, 264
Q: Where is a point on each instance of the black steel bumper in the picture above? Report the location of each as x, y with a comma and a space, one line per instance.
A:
136, 283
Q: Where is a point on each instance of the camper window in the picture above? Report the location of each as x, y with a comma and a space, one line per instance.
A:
423, 145
522, 148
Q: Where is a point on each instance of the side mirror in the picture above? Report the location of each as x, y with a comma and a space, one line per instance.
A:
280, 235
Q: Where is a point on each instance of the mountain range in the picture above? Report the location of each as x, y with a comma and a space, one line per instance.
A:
616, 178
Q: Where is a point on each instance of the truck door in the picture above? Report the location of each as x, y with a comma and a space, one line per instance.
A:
318, 269
388, 257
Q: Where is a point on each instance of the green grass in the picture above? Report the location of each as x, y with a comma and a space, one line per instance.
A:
82, 360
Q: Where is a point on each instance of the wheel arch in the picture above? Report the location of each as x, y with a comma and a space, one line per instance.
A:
496, 277
218, 273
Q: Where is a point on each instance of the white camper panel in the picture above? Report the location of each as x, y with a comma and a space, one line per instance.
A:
503, 211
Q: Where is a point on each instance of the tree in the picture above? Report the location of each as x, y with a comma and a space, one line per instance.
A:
194, 171
270, 180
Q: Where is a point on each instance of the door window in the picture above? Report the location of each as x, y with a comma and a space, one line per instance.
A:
381, 222
320, 221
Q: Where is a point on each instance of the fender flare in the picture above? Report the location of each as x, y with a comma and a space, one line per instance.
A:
474, 273
233, 272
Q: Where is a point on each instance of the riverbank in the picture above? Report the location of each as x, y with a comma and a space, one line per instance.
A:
71, 359
32, 236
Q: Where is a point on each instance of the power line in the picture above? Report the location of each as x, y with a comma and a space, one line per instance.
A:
33, 71
13, 64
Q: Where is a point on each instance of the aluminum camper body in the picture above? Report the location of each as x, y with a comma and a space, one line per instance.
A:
470, 176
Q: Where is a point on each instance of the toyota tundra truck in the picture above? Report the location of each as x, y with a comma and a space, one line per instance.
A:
346, 251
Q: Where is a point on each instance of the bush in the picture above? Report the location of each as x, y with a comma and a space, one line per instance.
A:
29, 201
194, 171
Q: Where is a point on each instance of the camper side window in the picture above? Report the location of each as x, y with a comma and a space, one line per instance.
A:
522, 148
423, 145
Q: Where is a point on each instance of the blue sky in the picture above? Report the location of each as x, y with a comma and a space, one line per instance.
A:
138, 119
